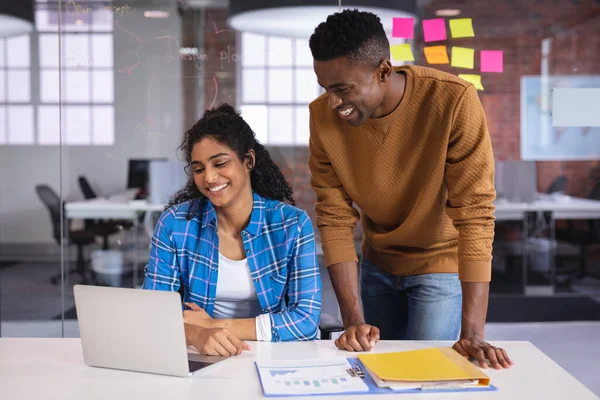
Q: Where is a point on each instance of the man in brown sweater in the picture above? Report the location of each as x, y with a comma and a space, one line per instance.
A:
410, 147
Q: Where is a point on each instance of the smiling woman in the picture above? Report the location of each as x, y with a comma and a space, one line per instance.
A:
232, 236
222, 136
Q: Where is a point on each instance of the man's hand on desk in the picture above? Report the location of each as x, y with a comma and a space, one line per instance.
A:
481, 350
360, 337
214, 341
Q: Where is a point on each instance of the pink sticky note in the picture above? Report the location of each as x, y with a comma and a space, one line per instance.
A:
491, 61
434, 29
403, 28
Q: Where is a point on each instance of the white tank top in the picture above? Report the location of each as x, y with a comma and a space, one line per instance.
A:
236, 296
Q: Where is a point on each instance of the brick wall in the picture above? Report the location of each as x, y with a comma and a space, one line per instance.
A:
516, 26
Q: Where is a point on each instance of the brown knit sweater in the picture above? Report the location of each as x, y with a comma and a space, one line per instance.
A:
422, 176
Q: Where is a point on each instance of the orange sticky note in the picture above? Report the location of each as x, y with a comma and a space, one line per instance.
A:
463, 57
402, 52
436, 55
474, 79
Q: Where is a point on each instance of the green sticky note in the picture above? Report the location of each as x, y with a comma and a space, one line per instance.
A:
461, 27
402, 52
463, 57
474, 79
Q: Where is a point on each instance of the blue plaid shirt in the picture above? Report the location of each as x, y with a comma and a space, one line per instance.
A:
280, 248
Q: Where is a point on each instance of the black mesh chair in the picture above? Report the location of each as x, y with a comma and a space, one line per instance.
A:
103, 229
559, 185
86, 189
79, 238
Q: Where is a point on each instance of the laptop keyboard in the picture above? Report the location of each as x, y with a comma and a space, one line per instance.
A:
196, 365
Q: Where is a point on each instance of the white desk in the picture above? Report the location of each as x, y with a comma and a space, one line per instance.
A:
561, 207
120, 206
558, 207
54, 369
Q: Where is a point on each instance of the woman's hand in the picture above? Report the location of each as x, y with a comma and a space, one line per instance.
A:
214, 341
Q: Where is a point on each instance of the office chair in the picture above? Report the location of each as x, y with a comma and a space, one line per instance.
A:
559, 185
584, 238
103, 229
79, 238
86, 189
328, 325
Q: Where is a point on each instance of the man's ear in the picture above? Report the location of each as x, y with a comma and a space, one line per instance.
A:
385, 70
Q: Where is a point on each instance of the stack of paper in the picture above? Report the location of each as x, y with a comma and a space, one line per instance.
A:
309, 377
427, 369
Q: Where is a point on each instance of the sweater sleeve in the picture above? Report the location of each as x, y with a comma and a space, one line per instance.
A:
336, 217
469, 177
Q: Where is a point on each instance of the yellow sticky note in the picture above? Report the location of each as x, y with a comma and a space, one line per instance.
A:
461, 27
436, 55
402, 52
474, 79
463, 57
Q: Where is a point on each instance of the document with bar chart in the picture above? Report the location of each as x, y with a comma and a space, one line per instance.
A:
309, 377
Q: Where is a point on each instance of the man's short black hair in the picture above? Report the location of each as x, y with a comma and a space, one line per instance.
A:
358, 35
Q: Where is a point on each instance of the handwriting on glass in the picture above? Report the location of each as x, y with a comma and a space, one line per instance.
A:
74, 61
226, 56
142, 129
72, 8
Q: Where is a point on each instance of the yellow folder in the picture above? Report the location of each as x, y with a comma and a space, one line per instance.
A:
427, 365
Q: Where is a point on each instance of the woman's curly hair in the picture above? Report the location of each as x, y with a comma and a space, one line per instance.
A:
225, 125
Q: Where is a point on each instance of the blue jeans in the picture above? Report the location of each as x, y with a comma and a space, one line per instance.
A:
421, 307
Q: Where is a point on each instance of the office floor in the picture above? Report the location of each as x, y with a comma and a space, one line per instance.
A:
26, 293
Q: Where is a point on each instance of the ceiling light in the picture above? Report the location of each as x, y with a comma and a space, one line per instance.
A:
156, 14
299, 18
16, 17
447, 12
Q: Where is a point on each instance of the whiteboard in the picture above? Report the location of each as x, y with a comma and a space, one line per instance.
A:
541, 140
576, 107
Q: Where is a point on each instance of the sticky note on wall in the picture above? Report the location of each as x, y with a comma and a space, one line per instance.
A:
402, 52
491, 61
474, 79
436, 55
461, 28
434, 29
463, 57
403, 28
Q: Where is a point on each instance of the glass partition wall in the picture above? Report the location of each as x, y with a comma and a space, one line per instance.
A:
95, 100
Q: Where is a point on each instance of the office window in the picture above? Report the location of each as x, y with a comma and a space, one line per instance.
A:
30, 96
15, 91
276, 83
87, 78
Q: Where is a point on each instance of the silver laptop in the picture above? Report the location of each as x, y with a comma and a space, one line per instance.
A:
136, 330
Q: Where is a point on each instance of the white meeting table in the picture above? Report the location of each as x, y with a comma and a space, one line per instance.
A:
556, 207
34, 369
122, 206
